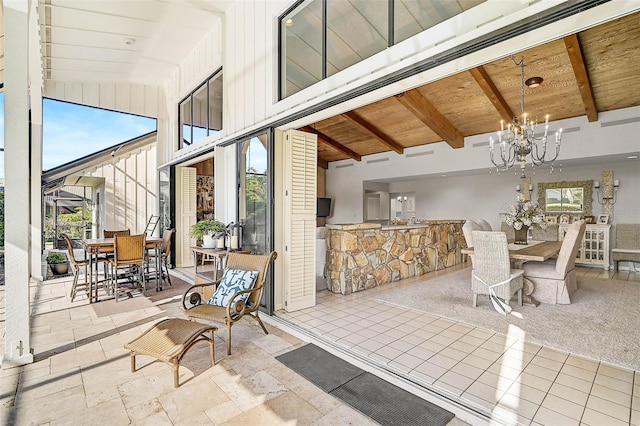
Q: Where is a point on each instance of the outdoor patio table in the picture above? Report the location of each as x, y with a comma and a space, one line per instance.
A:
95, 246
212, 254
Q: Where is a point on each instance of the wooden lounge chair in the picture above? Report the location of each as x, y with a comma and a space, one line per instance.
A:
240, 303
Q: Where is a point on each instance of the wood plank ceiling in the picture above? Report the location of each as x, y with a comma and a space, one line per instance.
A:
584, 74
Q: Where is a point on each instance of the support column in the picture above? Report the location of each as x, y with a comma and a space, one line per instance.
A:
17, 184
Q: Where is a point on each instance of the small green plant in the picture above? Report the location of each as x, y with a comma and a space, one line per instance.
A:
209, 226
54, 258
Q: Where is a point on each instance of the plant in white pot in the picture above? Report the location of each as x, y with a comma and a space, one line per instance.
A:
205, 230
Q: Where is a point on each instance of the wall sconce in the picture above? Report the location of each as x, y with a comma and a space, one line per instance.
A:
602, 199
401, 199
519, 188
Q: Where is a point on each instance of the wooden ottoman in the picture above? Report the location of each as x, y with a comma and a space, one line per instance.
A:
169, 340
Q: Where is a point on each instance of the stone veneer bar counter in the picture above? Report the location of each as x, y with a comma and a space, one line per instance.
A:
365, 255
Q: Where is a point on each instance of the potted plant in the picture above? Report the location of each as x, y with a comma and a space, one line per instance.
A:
205, 230
58, 263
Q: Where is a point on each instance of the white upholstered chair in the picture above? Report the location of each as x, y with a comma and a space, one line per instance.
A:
492, 274
508, 230
550, 233
484, 225
467, 230
555, 279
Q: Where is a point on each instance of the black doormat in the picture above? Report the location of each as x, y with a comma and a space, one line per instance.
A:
323, 369
376, 398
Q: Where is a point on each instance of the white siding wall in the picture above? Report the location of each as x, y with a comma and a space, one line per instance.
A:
130, 192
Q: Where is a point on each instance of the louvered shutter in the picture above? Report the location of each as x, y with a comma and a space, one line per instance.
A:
300, 219
188, 214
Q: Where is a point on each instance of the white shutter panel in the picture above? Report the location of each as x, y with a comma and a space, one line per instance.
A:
188, 214
300, 220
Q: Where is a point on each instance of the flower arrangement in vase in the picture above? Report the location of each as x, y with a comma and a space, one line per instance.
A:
523, 215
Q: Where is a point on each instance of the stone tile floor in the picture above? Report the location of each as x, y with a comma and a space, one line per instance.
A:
82, 373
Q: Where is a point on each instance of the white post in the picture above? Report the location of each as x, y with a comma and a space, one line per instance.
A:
17, 184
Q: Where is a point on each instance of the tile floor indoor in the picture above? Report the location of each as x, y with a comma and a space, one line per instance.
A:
82, 373
508, 379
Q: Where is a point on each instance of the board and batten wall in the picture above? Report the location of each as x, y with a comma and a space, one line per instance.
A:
130, 189
471, 192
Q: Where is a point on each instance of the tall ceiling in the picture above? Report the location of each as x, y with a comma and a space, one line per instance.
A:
587, 73
143, 41
134, 41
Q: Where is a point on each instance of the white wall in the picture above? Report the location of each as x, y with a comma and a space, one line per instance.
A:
131, 189
478, 194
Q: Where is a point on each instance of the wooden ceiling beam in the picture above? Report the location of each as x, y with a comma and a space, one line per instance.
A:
419, 106
574, 49
373, 131
491, 91
332, 143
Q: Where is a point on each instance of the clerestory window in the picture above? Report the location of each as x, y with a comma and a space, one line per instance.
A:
200, 113
318, 38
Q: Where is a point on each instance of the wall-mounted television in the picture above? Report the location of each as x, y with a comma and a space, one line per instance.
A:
323, 207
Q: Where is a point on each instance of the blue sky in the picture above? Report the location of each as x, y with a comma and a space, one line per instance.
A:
73, 131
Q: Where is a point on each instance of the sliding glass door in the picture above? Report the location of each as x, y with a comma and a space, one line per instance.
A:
254, 194
254, 201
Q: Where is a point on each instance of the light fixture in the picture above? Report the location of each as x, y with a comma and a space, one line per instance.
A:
129, 41
534, 81
289, 22
519, 188
519, 139
401, 199
601, 198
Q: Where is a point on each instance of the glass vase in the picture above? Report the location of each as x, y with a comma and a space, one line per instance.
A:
521, 235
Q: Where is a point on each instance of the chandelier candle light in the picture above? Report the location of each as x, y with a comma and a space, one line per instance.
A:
519, 139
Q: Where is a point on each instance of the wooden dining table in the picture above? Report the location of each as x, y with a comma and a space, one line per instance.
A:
96, 246
534, 251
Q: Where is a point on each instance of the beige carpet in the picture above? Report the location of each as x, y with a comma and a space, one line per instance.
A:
108, 306
602, 322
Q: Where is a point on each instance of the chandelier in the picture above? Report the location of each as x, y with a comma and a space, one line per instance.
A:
519, 139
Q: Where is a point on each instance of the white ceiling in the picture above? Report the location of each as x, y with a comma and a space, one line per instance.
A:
86, 40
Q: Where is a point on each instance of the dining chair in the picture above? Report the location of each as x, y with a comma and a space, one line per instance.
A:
550, 233
508, 230
492, 274
467, 230
237, 292
163, 252
128, 256
484, 225
105, 255
76, 264
555, 279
